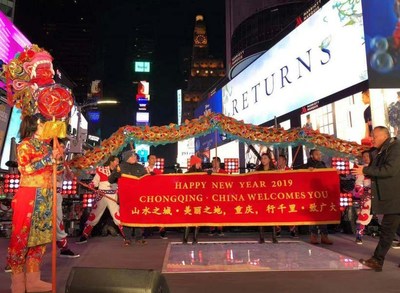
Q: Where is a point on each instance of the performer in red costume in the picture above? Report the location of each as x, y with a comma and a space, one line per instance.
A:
103, 180
31, 88
32, 205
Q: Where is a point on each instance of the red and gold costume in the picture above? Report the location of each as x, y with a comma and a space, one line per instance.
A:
31, 88
32, 205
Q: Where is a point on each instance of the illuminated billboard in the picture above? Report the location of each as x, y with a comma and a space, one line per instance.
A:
208, 141
11, 39
179, 105
142, 66
143, 150
77, 117
93, 116
12, 131
382, 42
5, 111
324, 55
185, 150
142, 118
143, 87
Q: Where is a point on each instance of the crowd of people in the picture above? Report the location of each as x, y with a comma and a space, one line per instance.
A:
377, 179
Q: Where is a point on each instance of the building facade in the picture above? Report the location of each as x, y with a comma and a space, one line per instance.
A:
252, 27
205, 70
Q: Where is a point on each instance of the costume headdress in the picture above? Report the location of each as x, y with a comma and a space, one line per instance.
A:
31, 88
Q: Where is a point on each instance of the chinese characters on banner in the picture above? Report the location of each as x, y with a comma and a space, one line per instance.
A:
252, 199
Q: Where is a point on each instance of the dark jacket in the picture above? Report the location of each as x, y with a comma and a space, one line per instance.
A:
193, 169
135, 169
311, 163
384, 171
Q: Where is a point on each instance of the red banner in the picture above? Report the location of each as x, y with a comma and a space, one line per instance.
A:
251, 199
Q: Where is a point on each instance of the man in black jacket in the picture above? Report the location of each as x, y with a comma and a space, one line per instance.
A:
384, 171
315, 162
131, 166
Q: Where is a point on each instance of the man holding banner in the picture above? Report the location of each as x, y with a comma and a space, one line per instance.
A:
315, 162
130, 166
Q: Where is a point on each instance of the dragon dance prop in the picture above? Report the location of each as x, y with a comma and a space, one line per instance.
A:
232, 128
99, 193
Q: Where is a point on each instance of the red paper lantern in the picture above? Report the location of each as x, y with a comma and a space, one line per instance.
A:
54, 101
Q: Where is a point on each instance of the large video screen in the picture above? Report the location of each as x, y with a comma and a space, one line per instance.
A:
5, 111
382, 40
208, 141
11, 39
322, 56
12, 131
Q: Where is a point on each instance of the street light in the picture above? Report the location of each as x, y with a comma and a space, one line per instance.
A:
102, 102
77, 141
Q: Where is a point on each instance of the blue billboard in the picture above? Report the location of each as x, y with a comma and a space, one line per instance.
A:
204, 143
382, 42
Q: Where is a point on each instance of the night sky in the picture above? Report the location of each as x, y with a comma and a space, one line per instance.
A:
113, 22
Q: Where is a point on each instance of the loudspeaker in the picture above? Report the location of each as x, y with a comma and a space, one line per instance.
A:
102, 280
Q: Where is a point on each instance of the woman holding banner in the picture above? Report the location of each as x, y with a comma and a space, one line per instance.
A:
267, 164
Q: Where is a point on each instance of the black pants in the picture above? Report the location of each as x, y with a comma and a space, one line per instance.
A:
389, 225
128, 233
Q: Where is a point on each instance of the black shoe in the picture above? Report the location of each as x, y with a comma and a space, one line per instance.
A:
293, 234
212, 233
373, 264
163, 235
7, 269
67, 253
82, 240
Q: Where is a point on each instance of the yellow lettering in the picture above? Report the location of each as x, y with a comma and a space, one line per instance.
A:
190, 185
252, 184
317, 194
227, 197
222, 185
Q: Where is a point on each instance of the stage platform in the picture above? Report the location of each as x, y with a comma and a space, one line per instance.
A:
235, 263
250, 256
